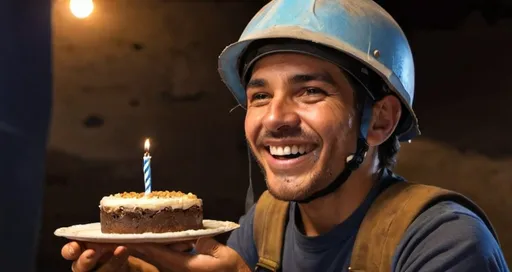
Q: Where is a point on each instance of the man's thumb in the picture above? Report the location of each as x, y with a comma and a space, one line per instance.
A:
207, 246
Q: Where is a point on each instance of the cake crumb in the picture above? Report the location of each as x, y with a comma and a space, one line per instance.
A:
156, 194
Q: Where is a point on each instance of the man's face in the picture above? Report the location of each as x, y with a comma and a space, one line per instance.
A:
300, 123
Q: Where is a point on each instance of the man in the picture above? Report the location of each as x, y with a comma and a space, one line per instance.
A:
328, 87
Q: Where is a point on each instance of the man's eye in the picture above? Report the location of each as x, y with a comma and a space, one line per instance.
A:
259, 96
314, 91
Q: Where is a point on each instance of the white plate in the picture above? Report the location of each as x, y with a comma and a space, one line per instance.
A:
92, 233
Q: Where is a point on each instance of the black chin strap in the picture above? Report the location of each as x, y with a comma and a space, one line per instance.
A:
249, 197
353, 161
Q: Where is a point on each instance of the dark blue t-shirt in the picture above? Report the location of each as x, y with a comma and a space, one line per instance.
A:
446, 237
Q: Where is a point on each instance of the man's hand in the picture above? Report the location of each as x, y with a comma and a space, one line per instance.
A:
87, 257
211, 256
103, 258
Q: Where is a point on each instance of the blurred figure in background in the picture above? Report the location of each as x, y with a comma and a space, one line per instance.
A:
25, 107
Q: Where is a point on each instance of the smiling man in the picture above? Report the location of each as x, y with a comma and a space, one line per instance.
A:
325, 130
328, 88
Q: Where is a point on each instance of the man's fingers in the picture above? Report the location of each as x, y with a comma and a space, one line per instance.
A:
100, 247
137, 264
182, 246
87, 261
71, 251
207, 246
179, 247
117, 262
164, 258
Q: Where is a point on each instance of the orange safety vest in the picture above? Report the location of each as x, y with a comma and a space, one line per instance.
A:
379, 234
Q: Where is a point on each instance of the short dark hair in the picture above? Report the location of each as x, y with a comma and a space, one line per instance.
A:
388, 151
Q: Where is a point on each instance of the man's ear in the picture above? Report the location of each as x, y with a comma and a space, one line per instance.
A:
385, 118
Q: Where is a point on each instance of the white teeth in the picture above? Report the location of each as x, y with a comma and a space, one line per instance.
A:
287, 150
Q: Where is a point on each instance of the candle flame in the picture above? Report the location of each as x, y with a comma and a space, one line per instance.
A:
146, 145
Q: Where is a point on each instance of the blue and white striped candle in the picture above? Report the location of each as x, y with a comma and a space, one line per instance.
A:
147, 168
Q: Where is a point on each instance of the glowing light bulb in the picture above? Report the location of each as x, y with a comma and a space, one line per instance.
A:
81, 8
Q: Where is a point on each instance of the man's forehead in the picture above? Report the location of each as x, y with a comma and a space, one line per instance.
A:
299, 60
296, 68
295, 78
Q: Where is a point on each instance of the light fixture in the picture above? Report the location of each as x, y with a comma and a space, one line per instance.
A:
81, 8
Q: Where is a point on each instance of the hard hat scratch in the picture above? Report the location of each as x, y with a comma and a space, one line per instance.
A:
368, 56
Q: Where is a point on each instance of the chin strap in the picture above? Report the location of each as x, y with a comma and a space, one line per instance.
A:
353, 161
249, 197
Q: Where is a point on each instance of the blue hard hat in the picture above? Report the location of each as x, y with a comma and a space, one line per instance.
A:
358, 29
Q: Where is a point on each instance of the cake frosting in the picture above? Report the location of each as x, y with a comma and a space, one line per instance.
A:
153, 201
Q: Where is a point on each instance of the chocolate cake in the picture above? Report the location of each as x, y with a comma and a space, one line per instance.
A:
157, 212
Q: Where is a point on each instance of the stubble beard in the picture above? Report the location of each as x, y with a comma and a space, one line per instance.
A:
286, 193
286, 189
316, 180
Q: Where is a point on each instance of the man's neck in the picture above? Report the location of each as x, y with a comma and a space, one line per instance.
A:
322, 215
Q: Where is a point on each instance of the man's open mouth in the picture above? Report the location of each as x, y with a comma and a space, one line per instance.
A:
289, 151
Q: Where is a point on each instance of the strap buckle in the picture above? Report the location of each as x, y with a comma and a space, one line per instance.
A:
260, 268
265, 265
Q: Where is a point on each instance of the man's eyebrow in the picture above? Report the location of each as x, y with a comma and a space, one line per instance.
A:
256, 83
322, 76
295, 79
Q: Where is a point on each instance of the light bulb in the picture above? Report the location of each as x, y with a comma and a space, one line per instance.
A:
81, 8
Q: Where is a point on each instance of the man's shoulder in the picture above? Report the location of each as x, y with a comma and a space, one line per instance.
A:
435, 205
449, 235
446, 216
452, 208
446, 211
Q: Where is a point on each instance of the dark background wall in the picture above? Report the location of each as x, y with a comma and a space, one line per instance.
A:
137, 69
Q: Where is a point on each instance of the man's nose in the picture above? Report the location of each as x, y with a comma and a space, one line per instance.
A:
281, 115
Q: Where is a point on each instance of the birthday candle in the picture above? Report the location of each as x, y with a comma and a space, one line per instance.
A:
147, 168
